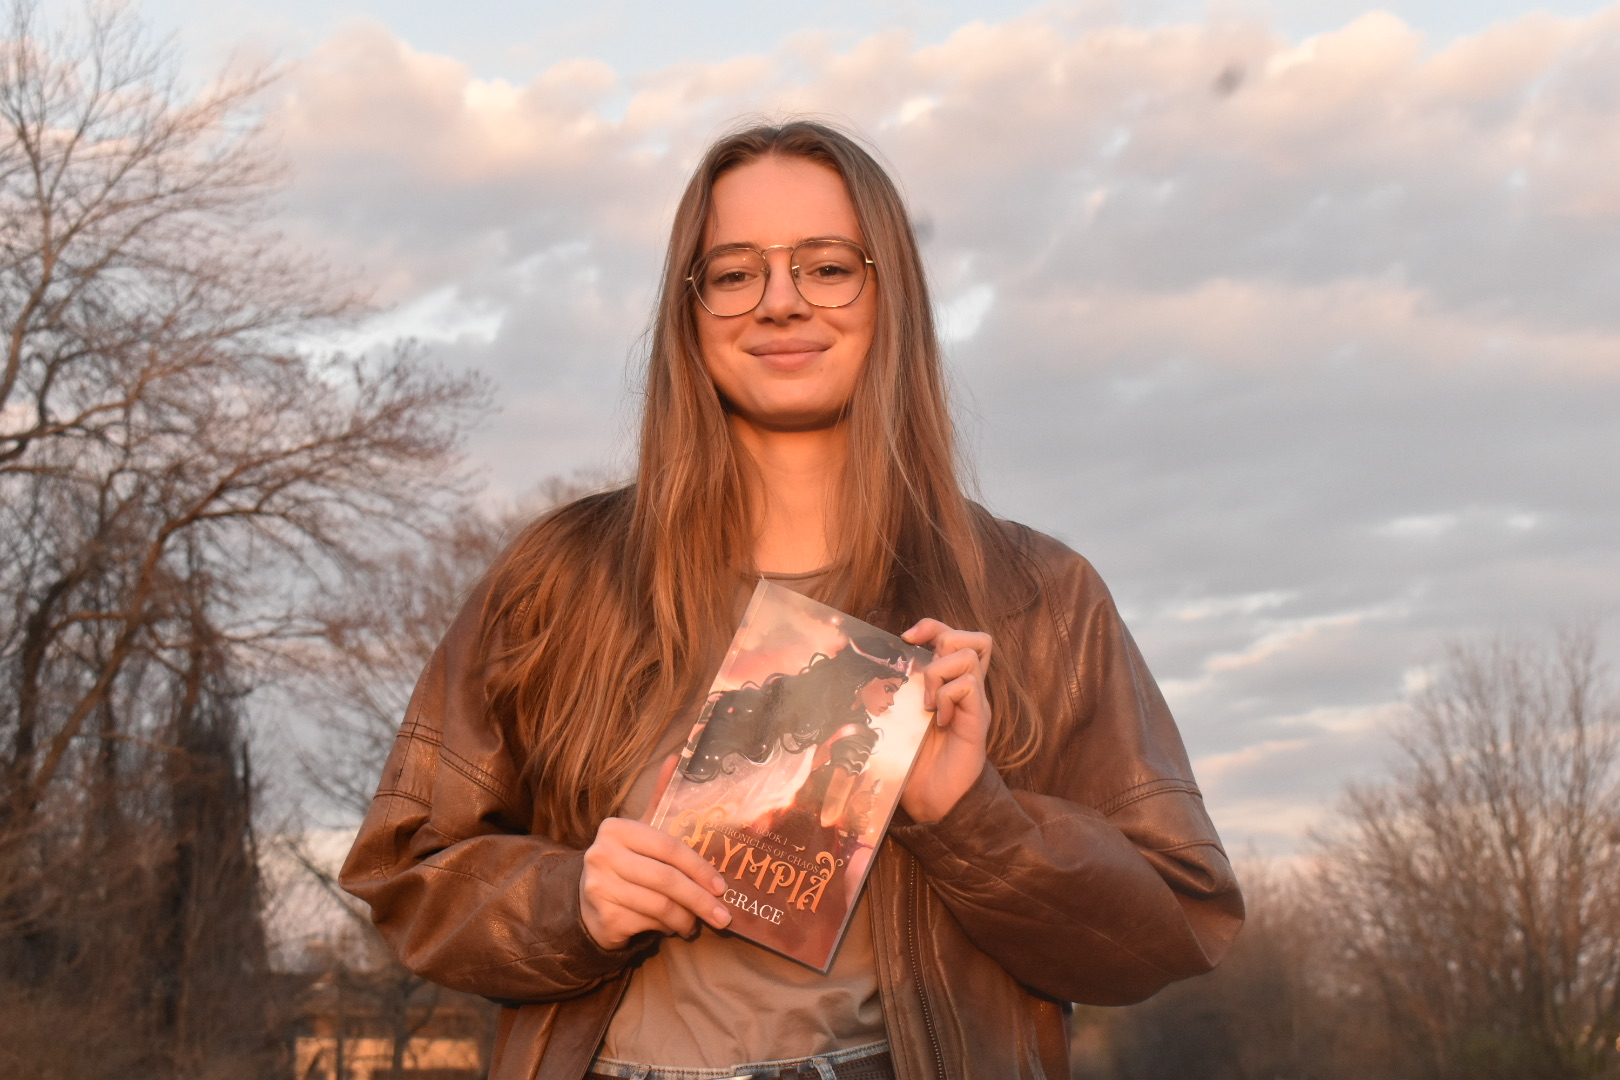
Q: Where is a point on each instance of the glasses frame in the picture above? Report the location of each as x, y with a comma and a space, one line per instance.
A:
793, 272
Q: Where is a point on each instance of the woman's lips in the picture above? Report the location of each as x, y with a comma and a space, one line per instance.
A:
788, 355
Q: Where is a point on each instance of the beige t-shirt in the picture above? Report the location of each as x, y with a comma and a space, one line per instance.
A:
718, 1000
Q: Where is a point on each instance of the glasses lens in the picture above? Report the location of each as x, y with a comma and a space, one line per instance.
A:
830, 273
731, 282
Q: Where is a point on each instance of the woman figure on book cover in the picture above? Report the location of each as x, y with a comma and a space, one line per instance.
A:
1051, 845
842, 740
828, 706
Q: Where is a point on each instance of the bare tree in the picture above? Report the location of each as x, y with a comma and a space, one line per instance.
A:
378, 633
181, 475
375, 638
1476, 896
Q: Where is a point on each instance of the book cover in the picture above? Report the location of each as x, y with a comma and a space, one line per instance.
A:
795, 766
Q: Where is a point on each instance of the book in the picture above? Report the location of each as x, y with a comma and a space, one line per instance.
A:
795, 766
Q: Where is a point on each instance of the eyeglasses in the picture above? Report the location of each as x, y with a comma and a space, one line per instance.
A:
730, 281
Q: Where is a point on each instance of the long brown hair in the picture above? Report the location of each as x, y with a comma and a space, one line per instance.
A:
602, 609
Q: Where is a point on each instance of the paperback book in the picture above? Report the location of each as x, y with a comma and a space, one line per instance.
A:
794, 768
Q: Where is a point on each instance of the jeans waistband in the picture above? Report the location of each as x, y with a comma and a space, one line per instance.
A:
819, 1067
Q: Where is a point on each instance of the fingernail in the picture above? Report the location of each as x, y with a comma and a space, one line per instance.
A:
721, 916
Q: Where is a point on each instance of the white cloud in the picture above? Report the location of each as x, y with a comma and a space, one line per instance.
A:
960, 320
1269, 827
1347, 720
1248, 604
1273, 642
1216, 766
1418, 527
438, 317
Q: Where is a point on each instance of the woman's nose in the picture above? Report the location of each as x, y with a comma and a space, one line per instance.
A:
782, 299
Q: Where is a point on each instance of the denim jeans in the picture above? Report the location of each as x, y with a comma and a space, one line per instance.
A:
819, 1067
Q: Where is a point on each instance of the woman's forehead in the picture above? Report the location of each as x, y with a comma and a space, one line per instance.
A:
780, 200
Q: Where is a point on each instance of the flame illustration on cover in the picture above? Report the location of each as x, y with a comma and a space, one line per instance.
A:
795, 765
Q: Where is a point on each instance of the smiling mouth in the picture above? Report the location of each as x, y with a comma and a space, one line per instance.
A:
789, 356
788, 348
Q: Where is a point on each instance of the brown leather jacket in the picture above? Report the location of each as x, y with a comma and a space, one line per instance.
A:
1099, 879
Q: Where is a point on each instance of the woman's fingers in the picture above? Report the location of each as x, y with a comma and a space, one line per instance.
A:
678, 886
961, 658
961, 692
656, 845
634, 909
637, 878
952, 757
952, 679
941, 638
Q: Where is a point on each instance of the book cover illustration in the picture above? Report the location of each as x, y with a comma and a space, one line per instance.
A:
795, 766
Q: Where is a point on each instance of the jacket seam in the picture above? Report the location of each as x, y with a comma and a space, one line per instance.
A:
470, 769
459, 873
1147, 790
381, 864
401, 793
1065, 643
1189, 844
476, 775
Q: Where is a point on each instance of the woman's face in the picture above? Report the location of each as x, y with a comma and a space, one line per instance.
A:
787, 365
877, 696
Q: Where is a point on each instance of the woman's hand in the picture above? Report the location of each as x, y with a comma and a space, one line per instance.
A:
640, 878
952, 754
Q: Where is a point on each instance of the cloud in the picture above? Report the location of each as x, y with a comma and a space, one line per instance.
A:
1310, 345
962, 317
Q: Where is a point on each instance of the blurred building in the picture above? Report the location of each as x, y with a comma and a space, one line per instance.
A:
377, 1025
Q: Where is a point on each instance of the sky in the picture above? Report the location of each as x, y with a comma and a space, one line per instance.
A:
1298, 320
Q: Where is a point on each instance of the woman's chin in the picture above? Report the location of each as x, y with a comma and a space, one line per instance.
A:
789, 418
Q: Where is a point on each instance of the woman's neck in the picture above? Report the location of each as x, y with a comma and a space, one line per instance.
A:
797, 476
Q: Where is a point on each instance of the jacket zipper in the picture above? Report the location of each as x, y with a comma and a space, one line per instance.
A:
916, 970
607, 1019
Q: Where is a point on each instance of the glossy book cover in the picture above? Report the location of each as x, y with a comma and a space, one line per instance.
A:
795, 766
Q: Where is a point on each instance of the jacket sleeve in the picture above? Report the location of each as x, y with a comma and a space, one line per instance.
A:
1099, 878
457, 886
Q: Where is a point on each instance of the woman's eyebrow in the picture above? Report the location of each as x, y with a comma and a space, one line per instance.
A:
744, 245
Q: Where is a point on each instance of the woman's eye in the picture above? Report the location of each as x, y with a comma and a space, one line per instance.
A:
826, 271
732, 278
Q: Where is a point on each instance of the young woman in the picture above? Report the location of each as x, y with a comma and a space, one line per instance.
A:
1051, 845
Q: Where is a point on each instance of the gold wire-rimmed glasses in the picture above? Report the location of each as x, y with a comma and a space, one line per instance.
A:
731, 280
